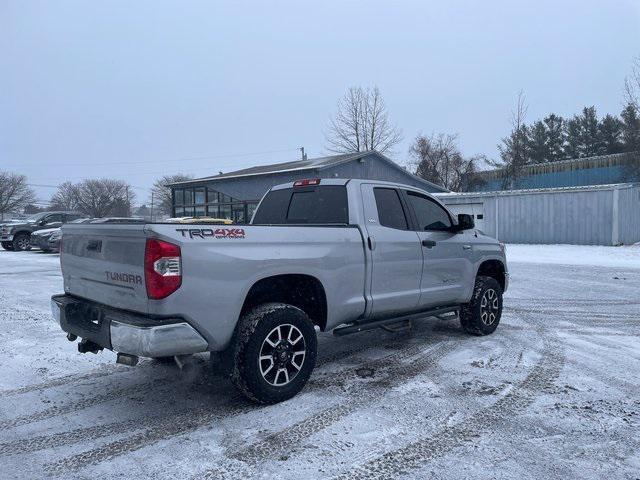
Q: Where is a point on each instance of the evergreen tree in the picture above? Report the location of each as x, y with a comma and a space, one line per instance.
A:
538, 143
610, 133
630, 129
556, 138
572, 148
590, 144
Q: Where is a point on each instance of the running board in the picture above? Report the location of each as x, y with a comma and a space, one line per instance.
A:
361, 327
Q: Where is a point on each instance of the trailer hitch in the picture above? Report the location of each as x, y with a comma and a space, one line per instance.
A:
86, 346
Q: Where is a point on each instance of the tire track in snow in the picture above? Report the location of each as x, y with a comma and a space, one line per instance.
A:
86, 402
80, 434
162, 428
360, 395
399, 462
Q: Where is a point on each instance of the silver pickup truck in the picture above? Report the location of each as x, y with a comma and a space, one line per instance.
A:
330, 254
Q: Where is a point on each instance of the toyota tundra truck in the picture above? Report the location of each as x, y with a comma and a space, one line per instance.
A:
339, 255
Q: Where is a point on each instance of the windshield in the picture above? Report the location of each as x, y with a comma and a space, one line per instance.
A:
35, 217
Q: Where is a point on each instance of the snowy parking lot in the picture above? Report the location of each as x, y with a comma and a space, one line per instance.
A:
554, 393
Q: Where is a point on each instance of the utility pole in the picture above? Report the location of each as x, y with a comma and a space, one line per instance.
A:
151, 206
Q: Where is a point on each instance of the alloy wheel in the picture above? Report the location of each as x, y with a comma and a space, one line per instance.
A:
282, 355
489, 307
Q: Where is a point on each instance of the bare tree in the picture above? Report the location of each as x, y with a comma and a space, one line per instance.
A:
162, 194
514, 149
362, 123
66, 197
438, 159
104, 197
15, 193
632, 85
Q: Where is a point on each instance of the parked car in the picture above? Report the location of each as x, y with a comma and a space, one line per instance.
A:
209, 220
15, 235
40, 238
332, 254
54, 239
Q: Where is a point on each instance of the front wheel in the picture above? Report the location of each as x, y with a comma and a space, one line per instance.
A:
21, 242
7, 245
481, 315
273, 352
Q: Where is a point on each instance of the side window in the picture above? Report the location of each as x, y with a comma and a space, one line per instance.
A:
390, 211
55, 218
430, 215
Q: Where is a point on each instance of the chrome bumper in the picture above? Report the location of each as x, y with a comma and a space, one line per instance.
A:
125, 332
161, 341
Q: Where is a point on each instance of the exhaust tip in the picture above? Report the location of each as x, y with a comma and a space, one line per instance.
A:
126, 359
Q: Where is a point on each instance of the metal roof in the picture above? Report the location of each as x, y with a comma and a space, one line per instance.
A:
311, 163
301, 165
494, 193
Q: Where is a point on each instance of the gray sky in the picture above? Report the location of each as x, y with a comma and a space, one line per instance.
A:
134, 90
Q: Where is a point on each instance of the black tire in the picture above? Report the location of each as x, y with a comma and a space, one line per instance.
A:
45, 250
481, 315
7, 245
272, 330
21, 242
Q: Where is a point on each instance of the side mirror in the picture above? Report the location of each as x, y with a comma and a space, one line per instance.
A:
465, 222
42, 222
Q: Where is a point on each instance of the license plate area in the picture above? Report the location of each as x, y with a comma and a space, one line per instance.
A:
85, 316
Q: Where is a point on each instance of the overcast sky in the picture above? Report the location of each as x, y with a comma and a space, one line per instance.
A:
137, 89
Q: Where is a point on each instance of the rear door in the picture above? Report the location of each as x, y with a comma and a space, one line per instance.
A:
396, 253
447, 255
105, 263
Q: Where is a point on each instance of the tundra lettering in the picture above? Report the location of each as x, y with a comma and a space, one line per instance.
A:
124, 277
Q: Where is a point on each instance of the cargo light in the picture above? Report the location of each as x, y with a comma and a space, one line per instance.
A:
306, 182
162, 268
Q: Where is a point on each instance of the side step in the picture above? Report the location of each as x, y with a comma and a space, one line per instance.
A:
361, 327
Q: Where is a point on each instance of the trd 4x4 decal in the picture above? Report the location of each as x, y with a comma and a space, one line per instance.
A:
211, 232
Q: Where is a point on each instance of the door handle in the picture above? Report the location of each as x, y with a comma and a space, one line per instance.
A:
466, 247
428, 243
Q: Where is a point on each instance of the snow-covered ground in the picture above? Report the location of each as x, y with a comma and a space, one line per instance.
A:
552, 394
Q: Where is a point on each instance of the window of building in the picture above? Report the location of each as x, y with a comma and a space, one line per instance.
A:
390, 211
199, 196
178, 196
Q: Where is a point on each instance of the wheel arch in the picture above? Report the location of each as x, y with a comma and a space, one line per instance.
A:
303, 291
495, 269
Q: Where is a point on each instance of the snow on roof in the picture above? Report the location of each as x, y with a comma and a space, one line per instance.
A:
609, 186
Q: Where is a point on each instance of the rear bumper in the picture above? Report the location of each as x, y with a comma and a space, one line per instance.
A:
125, 332
39, 242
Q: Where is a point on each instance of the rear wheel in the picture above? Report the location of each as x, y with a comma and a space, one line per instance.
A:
273, 352
21, 242
481, 315
7, 245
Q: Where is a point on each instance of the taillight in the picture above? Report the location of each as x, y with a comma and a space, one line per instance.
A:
162, 268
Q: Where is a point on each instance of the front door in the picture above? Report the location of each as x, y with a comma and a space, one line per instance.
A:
447, 265
396, 252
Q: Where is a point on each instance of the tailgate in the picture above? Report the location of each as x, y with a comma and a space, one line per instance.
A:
105, 263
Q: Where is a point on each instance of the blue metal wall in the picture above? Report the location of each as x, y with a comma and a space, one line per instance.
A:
570, 178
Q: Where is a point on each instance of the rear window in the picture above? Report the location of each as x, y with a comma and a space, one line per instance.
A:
325, 204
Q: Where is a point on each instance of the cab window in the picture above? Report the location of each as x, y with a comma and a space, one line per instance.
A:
430, 215
390, 211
